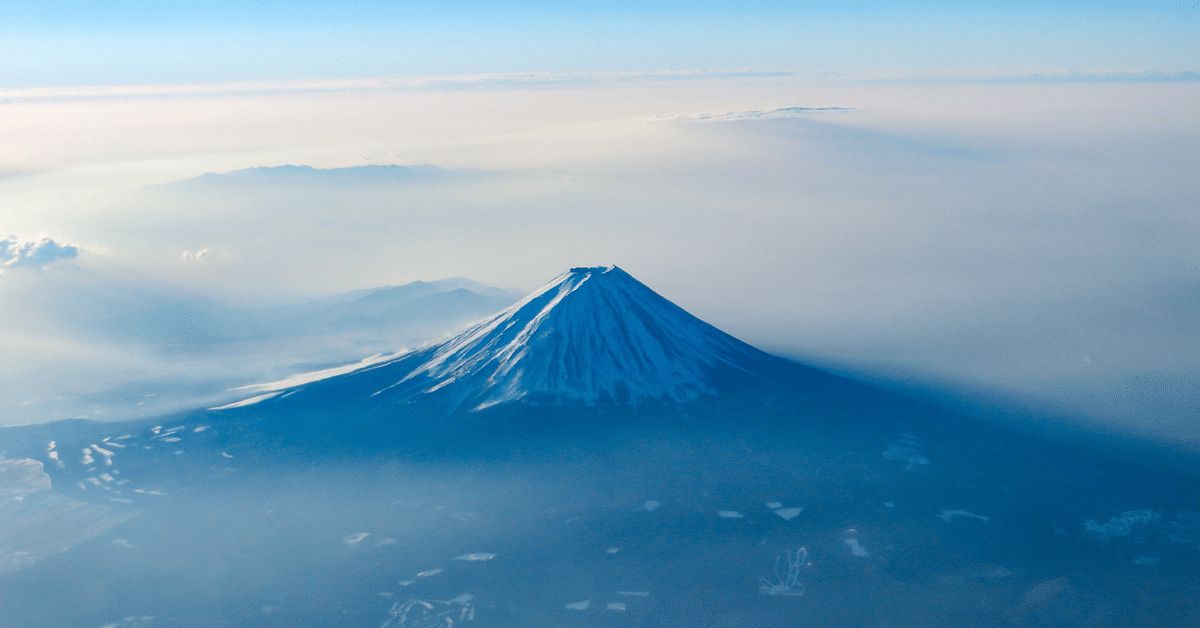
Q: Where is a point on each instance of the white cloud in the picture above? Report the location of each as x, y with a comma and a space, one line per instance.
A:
200, 255
16, 252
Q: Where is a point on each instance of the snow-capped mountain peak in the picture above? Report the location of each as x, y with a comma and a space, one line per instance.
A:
593, 334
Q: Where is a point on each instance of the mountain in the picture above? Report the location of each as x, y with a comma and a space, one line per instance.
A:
593, 336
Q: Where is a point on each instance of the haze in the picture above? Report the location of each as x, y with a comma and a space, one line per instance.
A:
1003, 215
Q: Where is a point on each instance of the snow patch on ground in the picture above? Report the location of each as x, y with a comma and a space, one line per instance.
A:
246, 402
949, 515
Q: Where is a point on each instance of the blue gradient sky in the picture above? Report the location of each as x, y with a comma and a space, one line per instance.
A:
138, 42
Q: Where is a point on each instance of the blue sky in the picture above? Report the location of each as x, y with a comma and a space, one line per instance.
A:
138, 42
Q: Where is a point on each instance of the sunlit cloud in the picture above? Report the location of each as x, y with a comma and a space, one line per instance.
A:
16, 252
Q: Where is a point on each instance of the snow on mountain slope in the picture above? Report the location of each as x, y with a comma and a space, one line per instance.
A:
592, 335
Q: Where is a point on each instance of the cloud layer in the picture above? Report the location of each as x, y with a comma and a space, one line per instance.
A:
1037, 240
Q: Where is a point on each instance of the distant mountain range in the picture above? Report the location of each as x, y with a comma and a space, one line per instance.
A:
177, 349
420, 309
308, 176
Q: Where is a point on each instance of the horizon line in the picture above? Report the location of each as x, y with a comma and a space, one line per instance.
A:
534, 79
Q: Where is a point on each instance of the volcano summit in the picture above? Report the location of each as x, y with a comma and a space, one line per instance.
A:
592, 336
